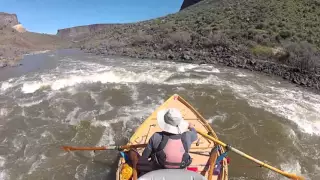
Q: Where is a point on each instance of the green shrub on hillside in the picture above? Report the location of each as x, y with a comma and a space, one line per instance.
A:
261, 50
235, 25
303, 56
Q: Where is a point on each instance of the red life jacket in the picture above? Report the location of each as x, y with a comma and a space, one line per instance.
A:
172, 153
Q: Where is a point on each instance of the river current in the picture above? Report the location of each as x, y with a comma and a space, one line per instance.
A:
71, 98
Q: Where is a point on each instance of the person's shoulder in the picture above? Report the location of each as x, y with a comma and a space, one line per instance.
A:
157, 135
190, 133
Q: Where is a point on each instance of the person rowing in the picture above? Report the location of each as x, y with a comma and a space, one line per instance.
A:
168, 149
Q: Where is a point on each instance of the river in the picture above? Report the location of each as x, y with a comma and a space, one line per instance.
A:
71, 98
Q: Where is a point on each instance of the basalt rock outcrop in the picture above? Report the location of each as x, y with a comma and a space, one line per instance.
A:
11, 21
79, 32
7, 19
187, 3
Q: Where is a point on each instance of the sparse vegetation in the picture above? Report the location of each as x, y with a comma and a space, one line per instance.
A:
256, 24
262, 50
249, 34
303, 56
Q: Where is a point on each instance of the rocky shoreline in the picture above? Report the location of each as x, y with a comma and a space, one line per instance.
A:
261, 36
222, 56
11, 57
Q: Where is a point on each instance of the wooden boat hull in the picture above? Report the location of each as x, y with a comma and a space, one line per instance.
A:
200, 150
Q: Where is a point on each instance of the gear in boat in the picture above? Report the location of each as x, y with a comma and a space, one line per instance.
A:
172, 174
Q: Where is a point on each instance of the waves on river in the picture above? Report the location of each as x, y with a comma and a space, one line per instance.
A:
116, 95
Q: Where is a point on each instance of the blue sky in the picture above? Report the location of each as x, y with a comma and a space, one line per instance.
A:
46, 16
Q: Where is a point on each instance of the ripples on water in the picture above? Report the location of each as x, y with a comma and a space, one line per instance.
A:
92, 101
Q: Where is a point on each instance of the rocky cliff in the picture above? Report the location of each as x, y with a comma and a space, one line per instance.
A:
11, 21
187, 3
15, 41
8, 19
79, 32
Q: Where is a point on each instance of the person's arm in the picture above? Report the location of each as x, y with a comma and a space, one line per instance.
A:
148, 150
193, 133
153, 144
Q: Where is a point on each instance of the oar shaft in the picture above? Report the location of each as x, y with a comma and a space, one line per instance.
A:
132, 146
292, 176
72, 148
260, 162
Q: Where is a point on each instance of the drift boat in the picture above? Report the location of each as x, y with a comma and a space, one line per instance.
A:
208, 159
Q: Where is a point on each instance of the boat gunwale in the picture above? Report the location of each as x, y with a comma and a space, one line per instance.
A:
224, 175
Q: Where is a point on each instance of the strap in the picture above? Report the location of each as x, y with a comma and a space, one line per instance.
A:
172, 163
220, 158
184, 141
124, 155
163, 142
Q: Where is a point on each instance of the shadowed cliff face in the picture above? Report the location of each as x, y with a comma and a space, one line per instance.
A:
8, 19
79, 32
187, 3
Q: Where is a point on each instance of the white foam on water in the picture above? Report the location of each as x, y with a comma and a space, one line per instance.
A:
316, 171
3, 112
4, 175
37, 52
33, 86
293, 104
71, 117
298, 106
125, 115
5, 86
108, 134
212, 70
116, 76
181, 69
180, 88
291, 166
107, 106
184, 67
242, 75
207, 80
135, 93
2, 161
17, 143
221, 117
48, 134
29, 104
81, 172
37, 164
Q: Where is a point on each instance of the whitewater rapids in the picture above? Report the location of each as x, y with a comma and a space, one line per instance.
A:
72, 98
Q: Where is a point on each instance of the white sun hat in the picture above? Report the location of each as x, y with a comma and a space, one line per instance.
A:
171, 120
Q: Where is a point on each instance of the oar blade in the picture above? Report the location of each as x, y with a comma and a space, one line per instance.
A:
295, 177
291, 176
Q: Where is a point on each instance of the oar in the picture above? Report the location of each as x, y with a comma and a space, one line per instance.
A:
288, 175
73, 148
